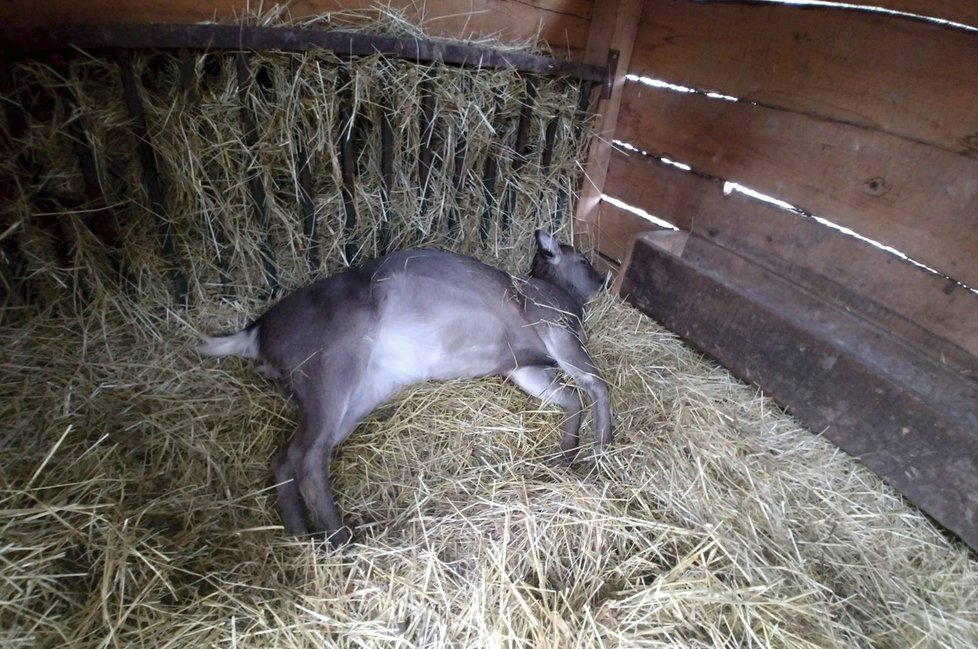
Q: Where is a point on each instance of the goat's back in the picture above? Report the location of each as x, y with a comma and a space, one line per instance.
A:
414, 315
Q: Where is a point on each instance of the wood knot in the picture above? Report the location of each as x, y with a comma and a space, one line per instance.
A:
969, 145
876, 186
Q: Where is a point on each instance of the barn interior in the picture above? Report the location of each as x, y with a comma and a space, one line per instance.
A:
784, 195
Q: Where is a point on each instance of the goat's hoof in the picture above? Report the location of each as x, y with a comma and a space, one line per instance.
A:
338, 538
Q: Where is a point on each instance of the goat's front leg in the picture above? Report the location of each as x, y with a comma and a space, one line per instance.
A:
565, 347
540, 382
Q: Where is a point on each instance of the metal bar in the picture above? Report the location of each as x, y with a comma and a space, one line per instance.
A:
347, 167
255, 184
386, 171
583, 101
98, 217
522, 150
451, 228
427, 132
306, 204
150, 175
24, 41
17, 125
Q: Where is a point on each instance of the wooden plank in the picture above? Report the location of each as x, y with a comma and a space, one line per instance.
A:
960, 11
912, 79
952, 14
615, 229
918, 199
922, 308
613, 27
824, 365
561, 23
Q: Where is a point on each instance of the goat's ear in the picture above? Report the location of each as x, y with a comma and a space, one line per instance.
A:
547, 245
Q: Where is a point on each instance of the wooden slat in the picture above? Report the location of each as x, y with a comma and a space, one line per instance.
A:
836, 374
561, 23
613, 27
919, 200
615, 229
909, 301
960, 11
912, 79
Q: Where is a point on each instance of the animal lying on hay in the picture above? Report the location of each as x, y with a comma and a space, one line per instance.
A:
344, 344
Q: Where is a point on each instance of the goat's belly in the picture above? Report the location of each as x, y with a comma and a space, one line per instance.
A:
413, 353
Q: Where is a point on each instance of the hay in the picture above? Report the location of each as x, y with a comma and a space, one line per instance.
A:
135, 507
136, 510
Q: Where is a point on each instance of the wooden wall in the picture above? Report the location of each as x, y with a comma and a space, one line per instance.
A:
563, 24
865, 119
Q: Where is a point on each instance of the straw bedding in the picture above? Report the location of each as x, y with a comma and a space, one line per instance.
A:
135, 503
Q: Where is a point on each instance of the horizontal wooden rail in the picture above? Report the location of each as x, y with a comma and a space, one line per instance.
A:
16, 42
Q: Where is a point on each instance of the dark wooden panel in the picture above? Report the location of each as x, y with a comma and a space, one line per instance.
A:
908, 78
561, 23
905, 417
909, 301
918, 199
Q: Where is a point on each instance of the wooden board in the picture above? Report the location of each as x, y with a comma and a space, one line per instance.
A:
824, 365
916, 305
563, 24
961, 11
908, 78
613, 27
615, 229
920, 200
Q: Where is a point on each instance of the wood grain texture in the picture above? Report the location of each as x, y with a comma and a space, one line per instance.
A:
918, 199
904, 416
960, 11
563, 24
908, 78
924, 309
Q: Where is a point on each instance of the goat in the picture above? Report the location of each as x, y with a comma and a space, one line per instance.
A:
342, 345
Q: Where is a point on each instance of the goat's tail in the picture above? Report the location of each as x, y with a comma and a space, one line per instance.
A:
244, 343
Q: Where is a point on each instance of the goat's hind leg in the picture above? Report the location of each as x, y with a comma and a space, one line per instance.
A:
347, 395
540, 382
290, 505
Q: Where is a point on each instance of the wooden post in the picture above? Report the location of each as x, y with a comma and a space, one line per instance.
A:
614, 25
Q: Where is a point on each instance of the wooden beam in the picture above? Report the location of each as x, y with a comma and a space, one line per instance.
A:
563, 24
25, 41
920, 200
613, 27
912, 79
919, 306
904, 416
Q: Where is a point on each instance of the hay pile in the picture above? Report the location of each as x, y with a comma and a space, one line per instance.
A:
135, 507
136, 510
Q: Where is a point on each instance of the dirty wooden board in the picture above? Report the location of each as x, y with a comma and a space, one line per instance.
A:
919, 306
909, 78
767, 333
918, 199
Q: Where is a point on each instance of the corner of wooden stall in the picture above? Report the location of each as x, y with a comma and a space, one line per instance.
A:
874, 350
